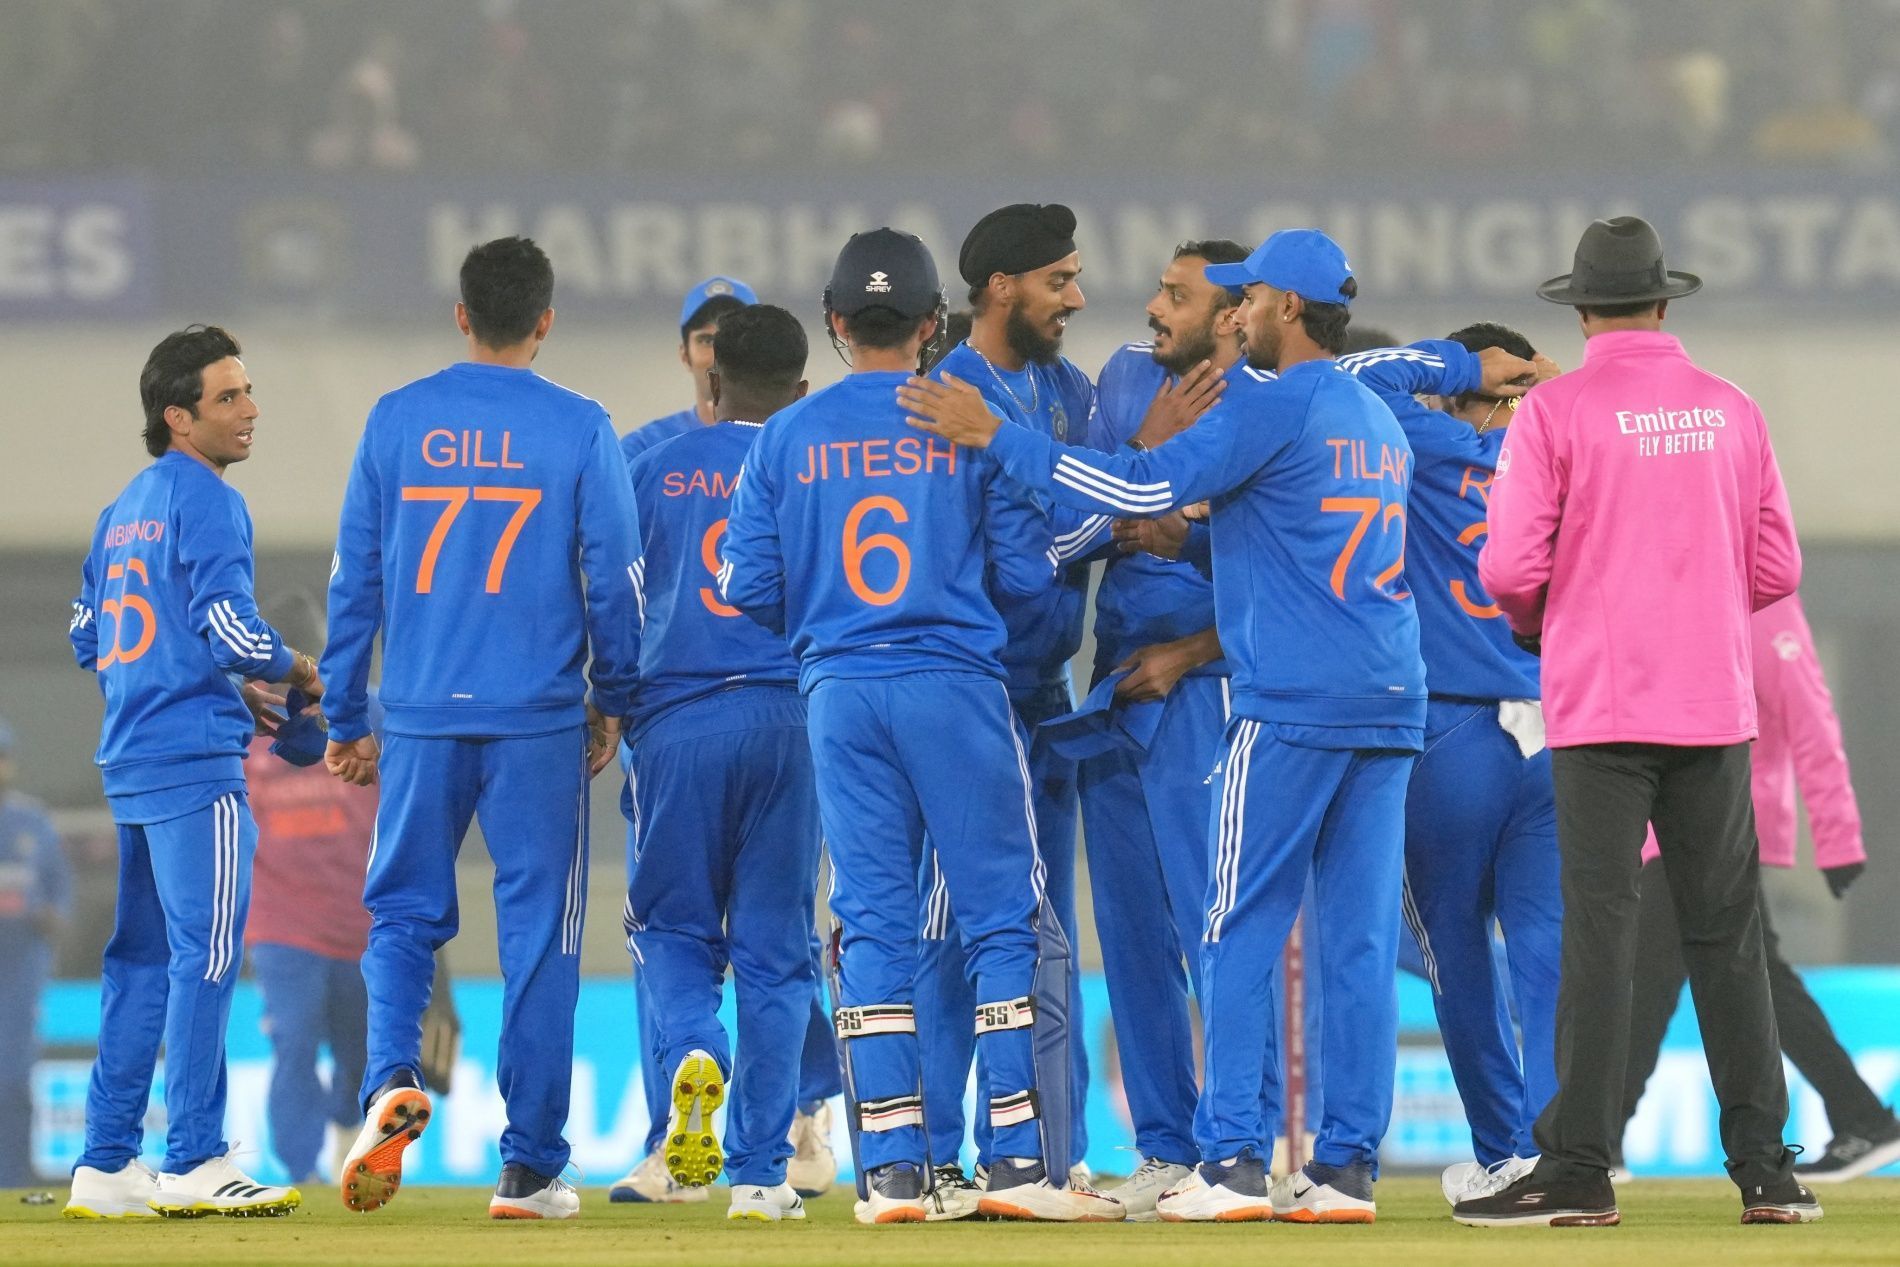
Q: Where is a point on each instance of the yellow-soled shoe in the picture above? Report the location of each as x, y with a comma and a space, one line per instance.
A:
125, 1193
693, 1157
218, 1187
765, 1205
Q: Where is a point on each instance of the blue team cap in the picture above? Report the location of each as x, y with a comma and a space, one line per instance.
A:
1101, 723
301, 740
713, 288
1304, 261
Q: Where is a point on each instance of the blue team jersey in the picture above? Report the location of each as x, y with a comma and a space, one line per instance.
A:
1308, 478
488, 530
875, 547
1144, 599
1462, 633
167, 620
1044, 632
692, 643
644, 437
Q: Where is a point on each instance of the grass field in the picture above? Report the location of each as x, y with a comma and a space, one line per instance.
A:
1665, 1222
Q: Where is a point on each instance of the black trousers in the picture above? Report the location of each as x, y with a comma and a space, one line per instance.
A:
1698, 799
1806, 1037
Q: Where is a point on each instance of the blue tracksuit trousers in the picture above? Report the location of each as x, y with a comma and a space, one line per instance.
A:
530, 795
311, 1001
1481, 848
1282, 811
167, 977
945, 994
886, 777
727, 873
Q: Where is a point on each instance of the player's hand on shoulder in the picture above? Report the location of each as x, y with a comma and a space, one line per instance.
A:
353, 762
952, 409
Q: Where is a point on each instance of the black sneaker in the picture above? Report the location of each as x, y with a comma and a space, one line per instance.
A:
1534, 1202
1783, 1201
1850, 1156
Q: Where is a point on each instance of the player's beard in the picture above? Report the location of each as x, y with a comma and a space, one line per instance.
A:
1028, 342
1191, 347
1264, 353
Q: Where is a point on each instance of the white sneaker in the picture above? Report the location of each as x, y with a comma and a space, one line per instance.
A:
765, 1205
1470, 1180
1234, 1191
372, 1168
693, 1156
649, 1181
125, 1193
1139, 1192
952, 1196
218, 1187
1325, 1194
814, 1166
1022, 1191
1281, 1162
523, 1194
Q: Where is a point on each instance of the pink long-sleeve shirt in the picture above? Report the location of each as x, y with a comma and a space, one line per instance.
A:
1637, 519
1799, 749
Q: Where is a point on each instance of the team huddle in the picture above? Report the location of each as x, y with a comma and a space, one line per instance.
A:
837, 625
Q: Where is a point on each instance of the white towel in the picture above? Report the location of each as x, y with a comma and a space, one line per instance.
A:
1523, 720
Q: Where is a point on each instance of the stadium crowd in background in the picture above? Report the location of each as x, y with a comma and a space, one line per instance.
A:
622, 85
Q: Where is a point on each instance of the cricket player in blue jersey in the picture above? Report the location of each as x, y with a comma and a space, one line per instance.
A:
813, 1167
488, 530
1308, 482
1022, 268
1146, 812
721, 790
701, 311
1480, 813
167, 620
875, 549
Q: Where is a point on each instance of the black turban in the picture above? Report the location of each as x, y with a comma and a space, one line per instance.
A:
1019, 238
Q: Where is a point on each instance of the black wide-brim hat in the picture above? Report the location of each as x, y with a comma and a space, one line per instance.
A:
1619, 261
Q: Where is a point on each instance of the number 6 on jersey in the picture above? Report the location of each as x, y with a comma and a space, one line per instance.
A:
856, 549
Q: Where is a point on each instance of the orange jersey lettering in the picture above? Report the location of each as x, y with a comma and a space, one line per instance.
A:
877, 459
442, 447
697, 483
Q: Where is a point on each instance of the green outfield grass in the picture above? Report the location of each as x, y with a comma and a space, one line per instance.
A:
1665, 1222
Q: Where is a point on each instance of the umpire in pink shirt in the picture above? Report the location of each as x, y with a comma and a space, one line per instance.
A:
1800, 745
1636, 522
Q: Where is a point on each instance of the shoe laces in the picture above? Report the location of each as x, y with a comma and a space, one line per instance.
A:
1492, 1180
951, 1175
1151, 1167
